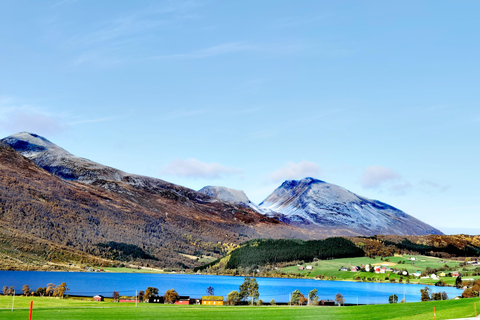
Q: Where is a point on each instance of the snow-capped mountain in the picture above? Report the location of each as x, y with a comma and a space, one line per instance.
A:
60, 162
232, 196
315, 203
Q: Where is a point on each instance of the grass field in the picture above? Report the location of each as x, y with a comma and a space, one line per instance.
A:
73, 309
330, 268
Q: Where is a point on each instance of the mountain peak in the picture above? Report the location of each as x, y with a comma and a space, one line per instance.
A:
30, 144
316, 203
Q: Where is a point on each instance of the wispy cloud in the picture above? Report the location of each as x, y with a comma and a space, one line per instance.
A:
30, 119
383, 178
232, 48
104, 40
264, 134
179, 114
63, 3
194, 168
431, 186
96, 58
104, 119
376, 176
221, 49
139, 22
293, 171
297, 21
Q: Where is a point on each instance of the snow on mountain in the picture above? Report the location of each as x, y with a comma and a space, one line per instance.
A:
59, 161
314, 203
232, 196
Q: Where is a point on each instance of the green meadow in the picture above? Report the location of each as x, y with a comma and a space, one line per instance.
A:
75, 309
330, 268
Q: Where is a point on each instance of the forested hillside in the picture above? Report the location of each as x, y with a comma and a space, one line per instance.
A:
445, 246
268, 251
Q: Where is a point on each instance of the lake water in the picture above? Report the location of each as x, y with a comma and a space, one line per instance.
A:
92, 283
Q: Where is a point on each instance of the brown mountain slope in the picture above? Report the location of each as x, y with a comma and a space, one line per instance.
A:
165, 223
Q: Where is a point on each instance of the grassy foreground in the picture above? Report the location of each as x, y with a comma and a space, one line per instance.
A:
57, 309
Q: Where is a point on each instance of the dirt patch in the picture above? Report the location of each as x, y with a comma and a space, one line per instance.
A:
386, 263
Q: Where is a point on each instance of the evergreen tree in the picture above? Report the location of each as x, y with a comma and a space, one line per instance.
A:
312, 295
458, 282
295, 297
393, 298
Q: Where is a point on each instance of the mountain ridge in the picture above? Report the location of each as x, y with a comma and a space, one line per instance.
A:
314, 202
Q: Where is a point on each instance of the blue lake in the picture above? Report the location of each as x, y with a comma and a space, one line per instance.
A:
92, 283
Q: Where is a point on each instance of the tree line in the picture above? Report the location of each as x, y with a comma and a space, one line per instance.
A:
270, 251
51, 290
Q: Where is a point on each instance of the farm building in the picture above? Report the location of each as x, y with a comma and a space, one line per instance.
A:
156, 300
98, 298
183, 300
212, 300
327, 302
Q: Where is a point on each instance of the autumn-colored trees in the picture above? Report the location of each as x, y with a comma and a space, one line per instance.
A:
473, 291
26, 289
171, 296
116, 296
150, 292
340, 299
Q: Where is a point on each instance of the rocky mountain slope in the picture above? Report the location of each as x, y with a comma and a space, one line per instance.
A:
237, 197
96, 205
312, 203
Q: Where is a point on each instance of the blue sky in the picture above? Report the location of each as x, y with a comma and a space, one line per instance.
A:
379, 97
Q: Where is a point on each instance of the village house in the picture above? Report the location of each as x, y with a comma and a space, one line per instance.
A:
156, 300
455, 274
212, 300
183, 300
355, 268
98, 298
377, 269
343, 269
309, 267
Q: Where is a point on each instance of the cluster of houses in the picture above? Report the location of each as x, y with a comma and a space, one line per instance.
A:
308, 267
89, 269
182, 300
384, 268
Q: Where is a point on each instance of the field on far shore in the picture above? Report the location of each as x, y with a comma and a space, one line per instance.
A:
84, 309
331, 268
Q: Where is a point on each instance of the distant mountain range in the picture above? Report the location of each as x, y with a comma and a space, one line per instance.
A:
311, 204
66, 199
